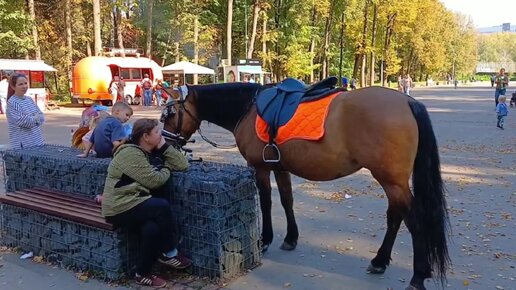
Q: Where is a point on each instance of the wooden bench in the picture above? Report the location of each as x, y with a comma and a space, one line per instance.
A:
59, 204
68, 229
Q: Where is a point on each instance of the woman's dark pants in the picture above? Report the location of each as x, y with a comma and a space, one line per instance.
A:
153, 219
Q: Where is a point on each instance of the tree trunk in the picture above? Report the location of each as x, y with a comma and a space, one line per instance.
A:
387, 44
118, 28
341, 44
327, 35
196, 47
312, 46
373, 45
276, 66
69, 47
177, 50
256, 13
150, 6
96, 27
264, 41
88, 48
364, 45
32, 13
229, 31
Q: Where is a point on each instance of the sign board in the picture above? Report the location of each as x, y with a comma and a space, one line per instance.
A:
248, 62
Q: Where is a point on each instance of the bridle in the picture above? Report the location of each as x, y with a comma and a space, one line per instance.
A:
170, 111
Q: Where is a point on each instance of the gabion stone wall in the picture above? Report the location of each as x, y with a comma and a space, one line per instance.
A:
109, 254
214, 204
54, 167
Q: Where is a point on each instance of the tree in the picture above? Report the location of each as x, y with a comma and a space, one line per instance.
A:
15, 24
32, 13
373, 45
229, 30
96, 27
256, 13
69, 45
150, 6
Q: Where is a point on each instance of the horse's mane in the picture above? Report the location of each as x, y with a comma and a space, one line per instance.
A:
224, 104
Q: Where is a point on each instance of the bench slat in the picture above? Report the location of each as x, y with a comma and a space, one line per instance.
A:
54, 203
62, 195
57, 200
65, 208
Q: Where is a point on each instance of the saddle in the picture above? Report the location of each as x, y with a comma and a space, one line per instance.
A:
277, 105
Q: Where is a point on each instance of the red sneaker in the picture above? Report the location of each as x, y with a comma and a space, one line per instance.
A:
150, 280
177, 262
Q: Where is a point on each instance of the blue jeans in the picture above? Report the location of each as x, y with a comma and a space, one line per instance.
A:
501, 120
147, 97
3, 104
158, 97
498, 93
158, 233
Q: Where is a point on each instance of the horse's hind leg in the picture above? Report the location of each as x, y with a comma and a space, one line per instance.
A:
399, 197
263, 182
287, 201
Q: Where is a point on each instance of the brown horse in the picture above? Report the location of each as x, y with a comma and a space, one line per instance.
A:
375, 128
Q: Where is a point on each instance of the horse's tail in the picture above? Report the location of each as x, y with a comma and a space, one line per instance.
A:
429, 205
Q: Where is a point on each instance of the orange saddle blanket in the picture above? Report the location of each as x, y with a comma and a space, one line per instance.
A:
307, 122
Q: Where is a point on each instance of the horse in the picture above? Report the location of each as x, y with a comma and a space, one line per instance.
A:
375, 128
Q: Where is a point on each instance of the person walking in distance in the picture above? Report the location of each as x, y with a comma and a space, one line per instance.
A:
502, 81
147, 86
501, 112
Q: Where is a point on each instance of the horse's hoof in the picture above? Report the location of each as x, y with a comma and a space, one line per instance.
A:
412, 287
288, 247
265, 247
375, 270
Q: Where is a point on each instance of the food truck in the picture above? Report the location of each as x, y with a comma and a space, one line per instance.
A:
92, 76
244, 70
35, 72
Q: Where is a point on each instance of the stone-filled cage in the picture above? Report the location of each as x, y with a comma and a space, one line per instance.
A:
215, 206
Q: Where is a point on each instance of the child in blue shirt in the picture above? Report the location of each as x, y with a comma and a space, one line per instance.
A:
110, 132
501, 111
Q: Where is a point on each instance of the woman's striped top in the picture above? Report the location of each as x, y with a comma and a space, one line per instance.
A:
25, 121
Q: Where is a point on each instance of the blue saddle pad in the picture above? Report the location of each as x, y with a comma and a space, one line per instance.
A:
277, 105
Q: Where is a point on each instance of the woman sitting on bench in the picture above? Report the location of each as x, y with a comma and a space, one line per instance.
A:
130, 198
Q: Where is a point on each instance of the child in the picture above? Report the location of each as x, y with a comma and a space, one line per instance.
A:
501, 111
513, 100
110, 133
101, 115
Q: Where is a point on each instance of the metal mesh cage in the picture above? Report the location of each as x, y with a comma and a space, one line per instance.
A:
54, 167
217, 209
109, 254
214, 204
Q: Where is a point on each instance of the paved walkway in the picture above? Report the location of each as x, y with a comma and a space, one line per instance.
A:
339, 236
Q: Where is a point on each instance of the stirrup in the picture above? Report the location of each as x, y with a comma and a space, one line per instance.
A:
274, 148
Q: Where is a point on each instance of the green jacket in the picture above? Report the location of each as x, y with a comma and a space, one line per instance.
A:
130, 174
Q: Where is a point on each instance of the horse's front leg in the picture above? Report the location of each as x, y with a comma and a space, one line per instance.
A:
263, 182
287, 201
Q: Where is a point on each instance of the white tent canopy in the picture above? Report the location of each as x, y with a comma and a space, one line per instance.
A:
22, 64
186, 67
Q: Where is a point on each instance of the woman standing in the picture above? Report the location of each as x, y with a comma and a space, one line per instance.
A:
24, 118
502, 81
132, 198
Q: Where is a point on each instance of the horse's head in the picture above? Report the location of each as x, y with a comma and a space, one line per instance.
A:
179, 117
